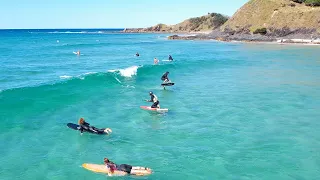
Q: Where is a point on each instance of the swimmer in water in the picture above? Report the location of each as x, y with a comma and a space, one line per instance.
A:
78, 53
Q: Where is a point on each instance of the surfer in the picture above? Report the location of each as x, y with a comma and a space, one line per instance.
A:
153, 99
165, 78
134, 170
170, 58
137, 54
78, 53
84, 126
156, 61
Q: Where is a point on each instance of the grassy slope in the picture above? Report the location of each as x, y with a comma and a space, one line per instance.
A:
275, 14
199, 24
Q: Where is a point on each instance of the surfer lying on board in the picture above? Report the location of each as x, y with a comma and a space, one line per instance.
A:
86, 126
133, 170
153, 99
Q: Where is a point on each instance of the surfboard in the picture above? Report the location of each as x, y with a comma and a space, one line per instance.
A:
167, 60
77, 127
148, 108
167, 84
73, 126
99, 168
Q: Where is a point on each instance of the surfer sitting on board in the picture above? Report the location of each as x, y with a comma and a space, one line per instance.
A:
170, 58
134, 170
154, 99
86, 126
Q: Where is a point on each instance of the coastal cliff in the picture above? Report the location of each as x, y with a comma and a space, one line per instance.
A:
258, 20
278, 18
284, 21
209, 22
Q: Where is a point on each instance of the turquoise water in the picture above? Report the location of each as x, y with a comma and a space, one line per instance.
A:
237, 111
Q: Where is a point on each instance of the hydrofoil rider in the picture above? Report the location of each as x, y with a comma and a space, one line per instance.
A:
165, 78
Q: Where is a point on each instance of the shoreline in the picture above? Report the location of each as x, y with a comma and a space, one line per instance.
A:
245, 38
293, 39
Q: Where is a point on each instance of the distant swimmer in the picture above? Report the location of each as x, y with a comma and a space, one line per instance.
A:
170, 58
137, 54
84, 126
156, 61
153, 99
78, 53
132, 170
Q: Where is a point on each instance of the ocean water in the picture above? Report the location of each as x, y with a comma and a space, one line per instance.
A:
237, 111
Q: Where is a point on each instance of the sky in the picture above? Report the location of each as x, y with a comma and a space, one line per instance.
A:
44, 14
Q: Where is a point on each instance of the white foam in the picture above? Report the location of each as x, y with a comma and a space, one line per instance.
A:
112, 70
90, 73
127, 72
117, 80
65, 77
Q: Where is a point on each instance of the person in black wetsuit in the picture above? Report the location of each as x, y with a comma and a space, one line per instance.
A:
84, 126
123, 167
170, 58
154, 99
137, 54
165, 78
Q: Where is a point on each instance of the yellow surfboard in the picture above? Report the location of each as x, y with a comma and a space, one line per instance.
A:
100, 168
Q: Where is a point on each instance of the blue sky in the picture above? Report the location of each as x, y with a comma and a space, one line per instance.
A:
24, 14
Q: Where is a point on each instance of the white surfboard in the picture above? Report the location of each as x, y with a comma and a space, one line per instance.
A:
159, 110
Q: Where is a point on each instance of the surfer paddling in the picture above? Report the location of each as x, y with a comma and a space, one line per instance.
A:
84, 126
133, 170
153, 99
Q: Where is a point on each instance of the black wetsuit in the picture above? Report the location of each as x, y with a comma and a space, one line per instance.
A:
137, 54
155, 104
165, 77
170, 58
86, 127
122, 167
